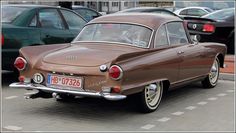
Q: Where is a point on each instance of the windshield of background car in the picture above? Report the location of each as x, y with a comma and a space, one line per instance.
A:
127, 34
220, 15
9, 13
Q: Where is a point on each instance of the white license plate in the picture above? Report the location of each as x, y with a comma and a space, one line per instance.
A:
64, 81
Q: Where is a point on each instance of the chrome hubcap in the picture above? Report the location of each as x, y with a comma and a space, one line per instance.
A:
214, 72
152, 94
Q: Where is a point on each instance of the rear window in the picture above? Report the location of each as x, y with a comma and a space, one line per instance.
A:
9, 13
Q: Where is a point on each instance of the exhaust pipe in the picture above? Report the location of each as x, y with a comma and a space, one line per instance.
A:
56, 95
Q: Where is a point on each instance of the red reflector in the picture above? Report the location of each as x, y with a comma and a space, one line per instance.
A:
115, 89
20, 63
115, 72
21, 78
2, 39
208, 28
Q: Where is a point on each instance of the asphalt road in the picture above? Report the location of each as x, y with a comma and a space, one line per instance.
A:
191, 108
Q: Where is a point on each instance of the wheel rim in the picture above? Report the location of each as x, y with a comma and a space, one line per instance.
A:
152, 95
213, 76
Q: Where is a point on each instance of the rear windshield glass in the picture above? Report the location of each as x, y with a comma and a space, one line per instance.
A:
9, 13
128, 34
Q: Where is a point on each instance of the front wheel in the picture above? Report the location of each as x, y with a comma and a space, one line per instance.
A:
212, 78
151, 97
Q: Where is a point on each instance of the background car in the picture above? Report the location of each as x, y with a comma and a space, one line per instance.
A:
217, 26
118, 55
193, 11
86, 13
30, 25
148, 10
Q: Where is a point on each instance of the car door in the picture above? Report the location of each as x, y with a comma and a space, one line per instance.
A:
74, 22
191, 56
53, 28
167, 58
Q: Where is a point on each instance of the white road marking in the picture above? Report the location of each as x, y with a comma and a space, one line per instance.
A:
148, 126
212, 98
221, 94
178, 113
191, 107
14, 128
230, 90
11, 97
164, 119
202, 103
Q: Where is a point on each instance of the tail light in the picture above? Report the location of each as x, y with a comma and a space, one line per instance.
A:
2, 37
115, 72
20, 63
208, 28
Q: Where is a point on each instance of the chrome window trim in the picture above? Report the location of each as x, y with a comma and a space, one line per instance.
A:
187, 37
157, 31
150, 38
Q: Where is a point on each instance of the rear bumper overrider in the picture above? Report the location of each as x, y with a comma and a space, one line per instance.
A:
108, 96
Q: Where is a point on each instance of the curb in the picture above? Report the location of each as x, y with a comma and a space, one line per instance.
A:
226, 76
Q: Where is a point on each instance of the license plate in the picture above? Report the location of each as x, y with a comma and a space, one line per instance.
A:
64, 81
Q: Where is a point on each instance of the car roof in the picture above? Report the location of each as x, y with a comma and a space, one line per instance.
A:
194, 7
139, 9
30, 5
151, 20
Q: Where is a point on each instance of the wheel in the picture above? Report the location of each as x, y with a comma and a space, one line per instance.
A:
64, 97
150, 97
212, 78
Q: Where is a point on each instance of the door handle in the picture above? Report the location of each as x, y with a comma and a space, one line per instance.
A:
180, 52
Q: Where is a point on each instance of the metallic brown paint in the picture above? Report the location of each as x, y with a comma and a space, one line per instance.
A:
140, 66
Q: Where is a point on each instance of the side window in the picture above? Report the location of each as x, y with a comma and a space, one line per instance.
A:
87, 14
196, 12
33, 22
184, 12
161, 37
176, 33
50, 18
74, 21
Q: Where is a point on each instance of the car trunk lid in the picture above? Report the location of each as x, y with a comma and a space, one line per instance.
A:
86, 55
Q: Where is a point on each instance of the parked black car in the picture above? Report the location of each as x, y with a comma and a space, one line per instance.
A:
215, 27
30, 25
86, 13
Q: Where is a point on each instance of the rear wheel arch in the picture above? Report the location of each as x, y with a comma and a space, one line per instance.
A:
166, 85
220, 57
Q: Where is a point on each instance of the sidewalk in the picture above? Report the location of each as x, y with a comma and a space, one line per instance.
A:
229, 61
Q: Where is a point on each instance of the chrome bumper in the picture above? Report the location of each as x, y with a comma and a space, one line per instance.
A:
108, 96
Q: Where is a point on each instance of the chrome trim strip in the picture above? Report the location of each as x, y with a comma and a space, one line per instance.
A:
108, 96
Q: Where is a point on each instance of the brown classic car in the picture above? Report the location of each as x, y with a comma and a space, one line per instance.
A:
117, 55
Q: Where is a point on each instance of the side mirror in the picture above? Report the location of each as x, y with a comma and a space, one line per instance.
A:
195, 38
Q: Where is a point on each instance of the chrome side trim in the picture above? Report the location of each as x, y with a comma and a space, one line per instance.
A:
108, 96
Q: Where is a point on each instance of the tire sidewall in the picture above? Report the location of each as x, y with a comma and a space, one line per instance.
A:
218, 64
147, 107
